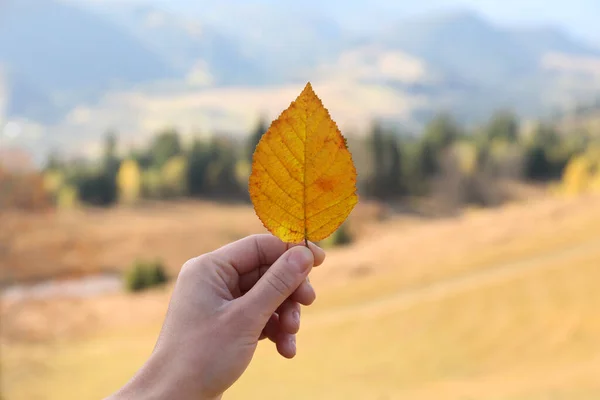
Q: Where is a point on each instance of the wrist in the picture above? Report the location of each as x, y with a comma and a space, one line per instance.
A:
156, 380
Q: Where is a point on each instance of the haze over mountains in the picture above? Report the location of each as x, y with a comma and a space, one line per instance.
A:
71, 71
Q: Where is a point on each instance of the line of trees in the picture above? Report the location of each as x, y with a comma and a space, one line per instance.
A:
166, 169
462, 166
466, 166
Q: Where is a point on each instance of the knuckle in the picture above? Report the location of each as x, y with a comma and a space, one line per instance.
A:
278, 282
192, 266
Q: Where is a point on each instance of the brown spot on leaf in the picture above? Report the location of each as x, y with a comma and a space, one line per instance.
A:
325, 184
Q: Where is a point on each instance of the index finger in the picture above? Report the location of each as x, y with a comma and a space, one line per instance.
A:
253, 251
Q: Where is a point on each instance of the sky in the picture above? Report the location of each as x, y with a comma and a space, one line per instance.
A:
578, 17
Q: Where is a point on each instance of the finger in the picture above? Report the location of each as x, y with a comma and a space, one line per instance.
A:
272, 329
289, 316
253, 251
318, 252
305, 294
278, 283
249, 279
286, 344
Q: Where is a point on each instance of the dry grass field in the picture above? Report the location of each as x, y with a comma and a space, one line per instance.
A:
497, 304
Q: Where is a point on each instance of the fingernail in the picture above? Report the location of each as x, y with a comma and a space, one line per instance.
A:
293, 343
300, 258
296, 317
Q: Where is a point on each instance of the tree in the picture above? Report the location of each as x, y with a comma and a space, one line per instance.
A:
545, 158
441, 132
152, 183
537, 165
54, 161
395, 172
174, 175
110, 160
165, 146
110, 165
379, 162
94, 186
198, 159
582, 173
220, 178
577, 176
129, 181
255, 136
387, 176
503, 125
421, 165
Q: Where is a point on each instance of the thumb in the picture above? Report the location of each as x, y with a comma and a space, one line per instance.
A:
279, 282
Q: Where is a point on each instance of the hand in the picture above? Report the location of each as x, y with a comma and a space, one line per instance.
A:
223, 303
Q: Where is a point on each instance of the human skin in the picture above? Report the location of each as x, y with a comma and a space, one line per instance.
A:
224, 302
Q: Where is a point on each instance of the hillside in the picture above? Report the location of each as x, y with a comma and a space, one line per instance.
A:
493, 304
151, 67
65, 53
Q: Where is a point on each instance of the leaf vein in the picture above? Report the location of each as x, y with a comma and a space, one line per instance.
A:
319, 197
331, 206
287, 146
328, 222
295, 131
318, 152
288, 212
282, 163
325, 170
277, 183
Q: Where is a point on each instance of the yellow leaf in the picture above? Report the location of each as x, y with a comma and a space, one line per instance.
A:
303, 180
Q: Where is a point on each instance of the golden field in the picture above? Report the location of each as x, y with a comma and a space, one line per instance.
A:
498, 304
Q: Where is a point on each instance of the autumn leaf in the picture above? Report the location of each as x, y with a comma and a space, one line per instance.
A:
303, 180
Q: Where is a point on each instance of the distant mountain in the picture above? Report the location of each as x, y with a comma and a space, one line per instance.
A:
25, 99
494, 66
75, 67
540, 40
263, 42
66, 53
466, 45
188, 45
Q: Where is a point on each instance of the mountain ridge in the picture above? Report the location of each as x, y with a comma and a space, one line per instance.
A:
457, 61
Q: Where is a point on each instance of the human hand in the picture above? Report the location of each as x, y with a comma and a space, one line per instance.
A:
223, 303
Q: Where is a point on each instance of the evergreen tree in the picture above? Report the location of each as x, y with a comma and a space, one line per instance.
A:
441, 132
165, 146
387, 174
504, 126
198, 159
254, 138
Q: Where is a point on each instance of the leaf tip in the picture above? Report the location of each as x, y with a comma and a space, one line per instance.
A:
308, 87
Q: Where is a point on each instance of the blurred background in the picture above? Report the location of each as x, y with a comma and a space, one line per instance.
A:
468, 270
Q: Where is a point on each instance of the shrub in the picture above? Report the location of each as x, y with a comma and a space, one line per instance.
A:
155, 274
341, 237
145, 274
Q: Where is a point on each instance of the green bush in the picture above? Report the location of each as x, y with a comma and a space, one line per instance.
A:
341, 237
145, 274
155, 274
135, 279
